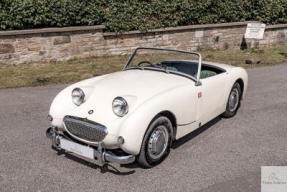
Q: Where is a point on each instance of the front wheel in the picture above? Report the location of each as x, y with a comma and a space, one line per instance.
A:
156, 143
233, 102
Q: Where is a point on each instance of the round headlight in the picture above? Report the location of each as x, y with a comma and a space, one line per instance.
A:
120, 106
78, 96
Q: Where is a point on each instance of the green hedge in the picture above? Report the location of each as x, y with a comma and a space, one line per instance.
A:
126, 15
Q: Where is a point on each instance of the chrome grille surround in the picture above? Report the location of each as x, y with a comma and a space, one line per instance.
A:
85, 129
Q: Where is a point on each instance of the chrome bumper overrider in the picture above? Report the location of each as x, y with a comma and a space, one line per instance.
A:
100, 154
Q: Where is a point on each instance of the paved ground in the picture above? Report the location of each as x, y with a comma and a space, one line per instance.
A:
226, 155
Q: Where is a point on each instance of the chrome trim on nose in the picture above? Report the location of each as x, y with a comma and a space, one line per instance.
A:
100, 154
85, 130
119, 159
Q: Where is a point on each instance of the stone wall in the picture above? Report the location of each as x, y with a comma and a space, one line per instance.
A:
36, 45
25, 46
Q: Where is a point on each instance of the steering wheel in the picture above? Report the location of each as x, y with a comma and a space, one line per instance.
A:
142, 62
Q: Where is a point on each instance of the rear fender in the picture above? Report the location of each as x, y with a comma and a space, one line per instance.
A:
236, 73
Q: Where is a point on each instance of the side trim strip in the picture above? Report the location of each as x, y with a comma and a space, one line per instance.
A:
186, 124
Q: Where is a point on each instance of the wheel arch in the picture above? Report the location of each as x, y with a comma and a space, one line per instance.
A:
170, 116
145, 114
240, 76
172, 119
241, 83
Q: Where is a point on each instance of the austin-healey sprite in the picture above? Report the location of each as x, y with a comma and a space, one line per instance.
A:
136, 114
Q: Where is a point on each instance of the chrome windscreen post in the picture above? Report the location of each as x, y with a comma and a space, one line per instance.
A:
198, 83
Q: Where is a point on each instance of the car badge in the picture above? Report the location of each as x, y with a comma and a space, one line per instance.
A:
91, 112
199, 94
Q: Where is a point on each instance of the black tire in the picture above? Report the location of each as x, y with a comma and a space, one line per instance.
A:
145, 158
231, 109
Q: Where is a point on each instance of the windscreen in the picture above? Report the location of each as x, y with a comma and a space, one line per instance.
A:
165, 60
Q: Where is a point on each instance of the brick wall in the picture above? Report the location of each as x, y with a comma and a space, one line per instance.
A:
48, 44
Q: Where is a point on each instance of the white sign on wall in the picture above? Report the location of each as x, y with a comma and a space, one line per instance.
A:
255, 31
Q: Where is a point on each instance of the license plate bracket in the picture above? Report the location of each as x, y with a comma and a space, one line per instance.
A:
76, 148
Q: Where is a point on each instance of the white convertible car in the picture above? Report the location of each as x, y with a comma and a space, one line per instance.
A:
135, 114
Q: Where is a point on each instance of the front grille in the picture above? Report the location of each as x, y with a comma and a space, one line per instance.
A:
85, 129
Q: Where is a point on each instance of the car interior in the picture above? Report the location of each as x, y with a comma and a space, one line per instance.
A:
191, 68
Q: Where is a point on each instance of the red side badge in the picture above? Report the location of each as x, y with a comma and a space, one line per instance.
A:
199, 95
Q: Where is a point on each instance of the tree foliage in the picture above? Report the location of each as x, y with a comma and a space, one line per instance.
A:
127, 15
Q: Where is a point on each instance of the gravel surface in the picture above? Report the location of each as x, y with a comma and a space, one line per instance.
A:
225, 155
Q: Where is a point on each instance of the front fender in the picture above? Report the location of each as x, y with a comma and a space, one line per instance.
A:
62, 104
180, 101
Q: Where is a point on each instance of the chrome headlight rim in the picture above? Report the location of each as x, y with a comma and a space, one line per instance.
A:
78, 96
120, 102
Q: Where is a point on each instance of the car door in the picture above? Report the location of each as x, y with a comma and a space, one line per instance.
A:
211, 97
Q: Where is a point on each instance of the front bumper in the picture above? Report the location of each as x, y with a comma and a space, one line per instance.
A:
99, 154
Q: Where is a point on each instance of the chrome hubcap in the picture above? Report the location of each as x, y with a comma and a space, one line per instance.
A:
158, 142
233, 100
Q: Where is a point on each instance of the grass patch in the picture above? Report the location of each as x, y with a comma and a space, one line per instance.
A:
268, 56
74, 70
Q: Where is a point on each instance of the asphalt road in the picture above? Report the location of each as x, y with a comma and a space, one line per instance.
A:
225, 155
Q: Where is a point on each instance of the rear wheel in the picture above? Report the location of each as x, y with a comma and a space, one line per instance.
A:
156, 143
233, 102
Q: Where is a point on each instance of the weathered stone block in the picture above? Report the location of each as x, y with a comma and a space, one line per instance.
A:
42, 52
6, 48
165, 37
5, 56
34, 46
199, 34
21, 44
215, 39
226, 45
62, 40
129, 42
281, 36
